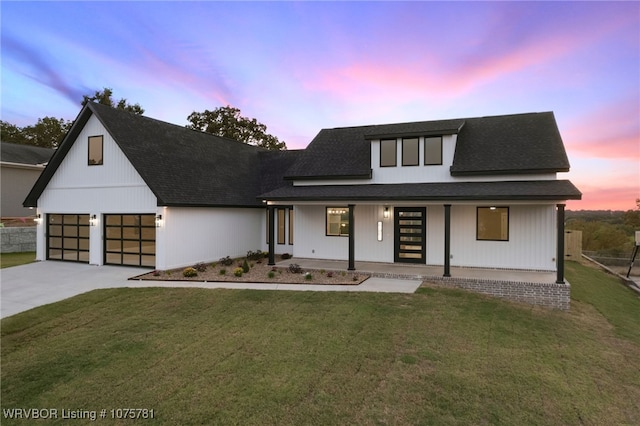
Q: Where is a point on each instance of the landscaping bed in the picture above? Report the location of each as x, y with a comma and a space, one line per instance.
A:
254, 269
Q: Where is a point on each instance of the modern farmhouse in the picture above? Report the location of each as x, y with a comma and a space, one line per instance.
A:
476, 192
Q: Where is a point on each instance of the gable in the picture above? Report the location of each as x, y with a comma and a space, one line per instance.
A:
76, 172
182, 167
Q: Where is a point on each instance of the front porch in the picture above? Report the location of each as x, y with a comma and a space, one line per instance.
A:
532, 287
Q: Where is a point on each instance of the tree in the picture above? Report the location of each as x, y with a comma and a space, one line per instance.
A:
227, 122
47, 132
632, 217
12, 133
105, 98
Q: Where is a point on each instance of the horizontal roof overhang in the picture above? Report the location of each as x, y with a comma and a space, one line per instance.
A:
395, 135
539, 190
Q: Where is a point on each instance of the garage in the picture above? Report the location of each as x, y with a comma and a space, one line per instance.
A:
68, 237
130, 239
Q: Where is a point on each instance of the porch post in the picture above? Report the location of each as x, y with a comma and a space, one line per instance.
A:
352, 238
447, 240
271, 227
560, 244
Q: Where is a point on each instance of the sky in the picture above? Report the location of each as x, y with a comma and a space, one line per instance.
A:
298, 67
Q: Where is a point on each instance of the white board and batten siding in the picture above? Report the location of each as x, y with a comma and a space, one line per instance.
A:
531, 244
78, 188
312, 242
207, 234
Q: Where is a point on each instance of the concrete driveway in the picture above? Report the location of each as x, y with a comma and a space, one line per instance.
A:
27, 286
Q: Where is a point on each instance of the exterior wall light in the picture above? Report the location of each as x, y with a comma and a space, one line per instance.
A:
93, 220
158, 221
38, 219
385, 214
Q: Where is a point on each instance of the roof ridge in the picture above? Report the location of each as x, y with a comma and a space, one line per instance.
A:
401, 123
173, 124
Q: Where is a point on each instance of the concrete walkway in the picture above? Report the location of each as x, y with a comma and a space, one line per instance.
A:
27, 286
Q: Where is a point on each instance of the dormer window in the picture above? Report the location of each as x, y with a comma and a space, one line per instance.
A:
433, 150
410, 152
388, 153
95, 150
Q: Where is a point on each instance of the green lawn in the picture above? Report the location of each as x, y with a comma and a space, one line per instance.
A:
14, 259
438, 357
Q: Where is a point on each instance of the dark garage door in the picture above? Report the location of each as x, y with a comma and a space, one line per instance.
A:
130, 239
68, 237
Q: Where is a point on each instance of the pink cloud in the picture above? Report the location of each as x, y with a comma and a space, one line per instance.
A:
611, 131
612, 198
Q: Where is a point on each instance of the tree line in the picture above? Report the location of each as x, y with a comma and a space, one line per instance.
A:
605, 231
224, 121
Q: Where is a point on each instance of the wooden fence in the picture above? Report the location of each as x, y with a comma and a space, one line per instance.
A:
572, 245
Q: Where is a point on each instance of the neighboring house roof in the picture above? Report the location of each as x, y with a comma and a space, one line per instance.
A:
182, 167
24, 154
507, 144
444, 191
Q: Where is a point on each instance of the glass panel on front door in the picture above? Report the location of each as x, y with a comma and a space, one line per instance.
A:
410, 234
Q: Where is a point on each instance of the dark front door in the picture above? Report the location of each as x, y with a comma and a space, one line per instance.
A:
410, 235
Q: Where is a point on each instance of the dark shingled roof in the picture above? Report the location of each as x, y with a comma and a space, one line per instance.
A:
335, 153
24, 154
182, 167
508, 144
550, 190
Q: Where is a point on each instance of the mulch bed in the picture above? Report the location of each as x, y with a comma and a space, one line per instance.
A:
258, 273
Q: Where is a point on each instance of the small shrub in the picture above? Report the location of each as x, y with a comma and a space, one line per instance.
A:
168, 272
274, 268
156, 273
251, 265
189, 272
355, 278
343, 273
222, 271
214, 264
285, 256
226, 261
255, 255
238, 272
308, 276
271, 274
294, 268
322, 271
330, 274
200, 267
245, 266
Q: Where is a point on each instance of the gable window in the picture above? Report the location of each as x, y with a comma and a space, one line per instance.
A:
95, 150
388, 153
337, 221
432, 151
410, 152
493, 223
